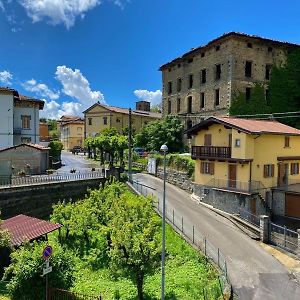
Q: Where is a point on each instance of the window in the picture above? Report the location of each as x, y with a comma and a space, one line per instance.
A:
169, 87
179, 82
178, 105
218, 72
294, 168
248, 69
169, 106
25, 140
189, 104
26, 122
104, 120
178, 66
286, 142
217, 47
268, 71
189, 124
207, 168
203, 76
118, 120
202, 100
268, 171
190, 60
270, 49
248, 93
191, 81
217, 97
237, 143
207, 139
202, 54
79, 129
90, 121
170, 69
249, 45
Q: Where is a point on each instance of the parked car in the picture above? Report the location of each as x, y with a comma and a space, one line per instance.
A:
76, 149
141, 152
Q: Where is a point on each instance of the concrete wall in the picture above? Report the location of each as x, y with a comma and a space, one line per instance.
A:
37, 200
6, 120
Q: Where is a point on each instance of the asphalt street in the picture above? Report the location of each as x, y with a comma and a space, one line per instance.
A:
253, 272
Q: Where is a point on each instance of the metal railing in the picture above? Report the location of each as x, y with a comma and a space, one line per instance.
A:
58, 177
191, 234
249, 217
283, 237
211, 151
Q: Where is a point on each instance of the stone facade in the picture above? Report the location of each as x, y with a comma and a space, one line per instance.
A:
224, 62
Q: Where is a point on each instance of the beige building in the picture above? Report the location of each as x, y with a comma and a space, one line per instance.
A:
100, 116
71, 131
202, 82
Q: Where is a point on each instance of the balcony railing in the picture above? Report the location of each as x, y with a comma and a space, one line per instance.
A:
211, 151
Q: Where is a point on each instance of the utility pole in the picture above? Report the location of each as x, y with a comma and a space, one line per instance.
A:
130, 148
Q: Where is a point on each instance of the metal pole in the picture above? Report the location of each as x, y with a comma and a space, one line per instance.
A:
46, 286
163, 234
129, 148
193, 235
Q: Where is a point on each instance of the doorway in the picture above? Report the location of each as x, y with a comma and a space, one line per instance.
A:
232, 175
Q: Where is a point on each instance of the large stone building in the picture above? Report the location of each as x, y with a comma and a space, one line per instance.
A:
202, 82
100, 116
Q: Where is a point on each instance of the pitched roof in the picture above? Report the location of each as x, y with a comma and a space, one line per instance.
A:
36, 146
225, 36
125, 111
249, 126
23, 228
70, 120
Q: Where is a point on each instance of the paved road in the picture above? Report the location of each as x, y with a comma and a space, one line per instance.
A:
78, 162
254, 273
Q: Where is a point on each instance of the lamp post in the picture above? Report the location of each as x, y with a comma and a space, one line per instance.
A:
164, 149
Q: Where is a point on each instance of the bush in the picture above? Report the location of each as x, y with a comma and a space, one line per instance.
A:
55, 150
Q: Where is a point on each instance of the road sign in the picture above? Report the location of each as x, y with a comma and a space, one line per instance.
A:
47, 270
47, 252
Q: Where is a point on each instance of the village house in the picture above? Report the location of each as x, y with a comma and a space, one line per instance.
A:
100, 116
239, 162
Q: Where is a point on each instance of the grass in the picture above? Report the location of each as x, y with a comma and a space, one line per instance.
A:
187, 274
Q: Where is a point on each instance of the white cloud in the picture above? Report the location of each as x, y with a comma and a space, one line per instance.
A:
6, 77
154, 97
58, 11
77, 86
2, 6
40, 89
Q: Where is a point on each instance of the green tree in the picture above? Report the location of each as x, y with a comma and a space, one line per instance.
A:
166, 131
55, 149
135, 242
53, 131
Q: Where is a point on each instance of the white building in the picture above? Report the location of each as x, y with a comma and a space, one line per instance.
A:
19, 118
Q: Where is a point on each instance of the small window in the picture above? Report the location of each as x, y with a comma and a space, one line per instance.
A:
270, 49
286, 141
217, 47
90, 121
248, 93
170, 69
268, 171
249, 45
202, 100
104, 120
218, 72
189, 124
169, 106
178, 66
202, 54
203, 76
169, 87
178, 105
79, 129
248, 69
217, 97
207, 168
294, 168
190, 60
191, 81
179, 83
189, 104
268, 71
26, 122
118, 120
237, 143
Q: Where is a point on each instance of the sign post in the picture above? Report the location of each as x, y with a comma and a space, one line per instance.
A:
47, 252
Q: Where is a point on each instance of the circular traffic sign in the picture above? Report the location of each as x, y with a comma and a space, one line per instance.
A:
47, 252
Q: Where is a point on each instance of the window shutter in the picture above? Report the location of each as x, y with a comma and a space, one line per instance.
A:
272, 170
265, 171
212, 168
202, 167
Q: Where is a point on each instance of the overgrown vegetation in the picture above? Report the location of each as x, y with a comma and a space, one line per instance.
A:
55, 150
283, 92
110, 246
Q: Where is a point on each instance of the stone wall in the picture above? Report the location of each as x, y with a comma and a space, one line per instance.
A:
278, 202
37, 200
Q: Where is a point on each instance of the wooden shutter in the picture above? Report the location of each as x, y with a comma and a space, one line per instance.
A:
212, 168
265, 171
272, 170
202, 167
207, 140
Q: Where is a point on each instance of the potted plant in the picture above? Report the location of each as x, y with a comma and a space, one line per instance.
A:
22, 173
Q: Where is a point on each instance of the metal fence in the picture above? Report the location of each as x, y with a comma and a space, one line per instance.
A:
249, 217
283, 237
192, 235
58, 177
58, 294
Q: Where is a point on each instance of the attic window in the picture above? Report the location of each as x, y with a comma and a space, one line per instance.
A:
190, 60
217, 47
270, 49
249, 45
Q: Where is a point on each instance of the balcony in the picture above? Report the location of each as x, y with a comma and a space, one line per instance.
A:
211, 152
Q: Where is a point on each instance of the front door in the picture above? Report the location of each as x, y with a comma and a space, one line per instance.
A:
232, 176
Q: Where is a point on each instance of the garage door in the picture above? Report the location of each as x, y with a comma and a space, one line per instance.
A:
292, 205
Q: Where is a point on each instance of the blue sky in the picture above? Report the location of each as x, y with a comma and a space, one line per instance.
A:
73, 53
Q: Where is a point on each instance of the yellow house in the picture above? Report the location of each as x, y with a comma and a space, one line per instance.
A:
71, 131
100, 116
245, 155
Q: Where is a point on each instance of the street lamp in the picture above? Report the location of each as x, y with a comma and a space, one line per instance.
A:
163, 149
